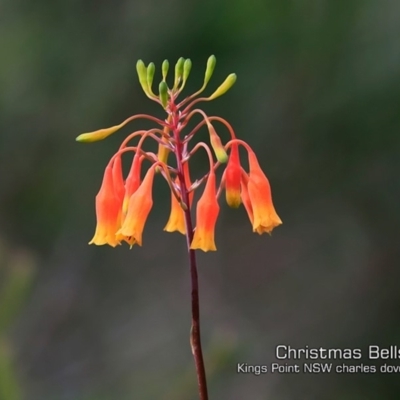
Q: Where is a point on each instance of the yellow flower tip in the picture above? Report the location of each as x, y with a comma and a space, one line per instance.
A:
203, 243
203, 246
100, 134
174, 227
233, 199
274, 221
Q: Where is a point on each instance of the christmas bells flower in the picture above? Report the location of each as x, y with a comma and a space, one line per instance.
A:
259, 199
206, 217
140, 204
107, 212
176, 220
124, 201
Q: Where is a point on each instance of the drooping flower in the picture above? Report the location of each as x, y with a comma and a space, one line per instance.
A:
232, 178
118, 179
206, 217
245, 196
132, 182
265, 218
139, 208
176, 220
107, 212
119, 189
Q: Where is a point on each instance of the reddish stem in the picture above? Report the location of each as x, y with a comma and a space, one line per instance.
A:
195, 339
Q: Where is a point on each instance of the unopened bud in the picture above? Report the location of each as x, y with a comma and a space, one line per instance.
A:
178, 71
98, 135
226, 85
187, 66
151, 68
211, 62
142, 74
163, 88
164, 69
217, 146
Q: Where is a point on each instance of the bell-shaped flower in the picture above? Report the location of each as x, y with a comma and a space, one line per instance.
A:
265, 218
176, 221
139, 208
232, 178
206, 217
107, 212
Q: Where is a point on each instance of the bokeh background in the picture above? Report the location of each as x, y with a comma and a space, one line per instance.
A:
317, 95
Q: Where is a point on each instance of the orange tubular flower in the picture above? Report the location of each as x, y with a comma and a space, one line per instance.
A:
118, 179
206, 217
132, 182
265, 218
232, 178
245, 196
139, 208
107, 212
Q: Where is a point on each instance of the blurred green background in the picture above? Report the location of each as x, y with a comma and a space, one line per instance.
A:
317, 96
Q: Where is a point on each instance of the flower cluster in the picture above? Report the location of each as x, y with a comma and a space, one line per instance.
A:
124, 202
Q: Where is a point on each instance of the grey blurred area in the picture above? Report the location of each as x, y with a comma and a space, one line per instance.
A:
317, 96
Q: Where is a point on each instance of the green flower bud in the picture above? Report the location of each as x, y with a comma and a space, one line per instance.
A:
187, 66
100, 134
151, 68
211, 62
142, 74
164, 69
163, 88
178, 71
226, 85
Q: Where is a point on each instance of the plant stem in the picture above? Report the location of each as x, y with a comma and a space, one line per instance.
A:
195, 339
